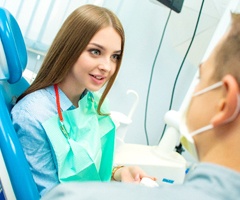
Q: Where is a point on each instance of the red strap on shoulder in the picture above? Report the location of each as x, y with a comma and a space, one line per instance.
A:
58, 102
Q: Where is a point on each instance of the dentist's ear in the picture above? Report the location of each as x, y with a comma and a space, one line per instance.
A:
228, 106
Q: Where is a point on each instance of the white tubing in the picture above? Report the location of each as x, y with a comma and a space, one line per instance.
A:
130, 114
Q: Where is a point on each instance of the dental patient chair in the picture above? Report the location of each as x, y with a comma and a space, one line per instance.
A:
13, 60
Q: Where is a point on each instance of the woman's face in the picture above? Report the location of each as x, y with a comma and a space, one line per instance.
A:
97, 63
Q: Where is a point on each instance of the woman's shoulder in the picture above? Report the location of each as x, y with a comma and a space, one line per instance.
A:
37, 101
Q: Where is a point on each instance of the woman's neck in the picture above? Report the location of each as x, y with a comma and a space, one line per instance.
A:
71, 92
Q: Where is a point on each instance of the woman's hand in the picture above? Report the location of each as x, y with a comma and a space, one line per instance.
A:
131, 174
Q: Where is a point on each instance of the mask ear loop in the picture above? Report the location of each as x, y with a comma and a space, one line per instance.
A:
211, 87
62, 126
210, 126
235, 114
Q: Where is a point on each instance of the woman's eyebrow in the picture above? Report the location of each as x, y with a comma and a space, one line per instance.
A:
97, 45
101, 47
119, 51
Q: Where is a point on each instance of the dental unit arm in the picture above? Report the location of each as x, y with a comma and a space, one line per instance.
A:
160, 161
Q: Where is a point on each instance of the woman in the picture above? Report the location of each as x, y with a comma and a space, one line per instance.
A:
62, 122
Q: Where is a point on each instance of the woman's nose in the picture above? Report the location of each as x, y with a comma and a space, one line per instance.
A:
106, 66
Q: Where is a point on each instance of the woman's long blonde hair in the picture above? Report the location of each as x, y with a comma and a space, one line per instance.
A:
69, 43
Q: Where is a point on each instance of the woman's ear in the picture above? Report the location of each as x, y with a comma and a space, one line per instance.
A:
229, 105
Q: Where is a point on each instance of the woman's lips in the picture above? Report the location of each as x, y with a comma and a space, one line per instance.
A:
97, 79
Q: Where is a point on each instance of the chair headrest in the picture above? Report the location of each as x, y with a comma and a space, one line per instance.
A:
13, 53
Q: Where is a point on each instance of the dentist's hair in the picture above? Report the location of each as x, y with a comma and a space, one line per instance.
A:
227, 60
72, 38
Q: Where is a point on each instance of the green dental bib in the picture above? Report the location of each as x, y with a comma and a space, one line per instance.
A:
87, 154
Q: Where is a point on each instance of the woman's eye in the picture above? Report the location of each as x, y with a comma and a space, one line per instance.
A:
116, 57
94, 51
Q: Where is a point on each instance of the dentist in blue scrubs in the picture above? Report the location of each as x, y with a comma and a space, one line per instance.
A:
210, 129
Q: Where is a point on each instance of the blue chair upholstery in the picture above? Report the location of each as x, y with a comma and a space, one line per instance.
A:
13, 60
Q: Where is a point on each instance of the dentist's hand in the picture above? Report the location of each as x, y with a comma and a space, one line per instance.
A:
132, 174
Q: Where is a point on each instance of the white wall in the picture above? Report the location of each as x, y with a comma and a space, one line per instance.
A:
143, 22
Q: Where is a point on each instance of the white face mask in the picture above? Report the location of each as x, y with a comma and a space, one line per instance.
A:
186, 137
